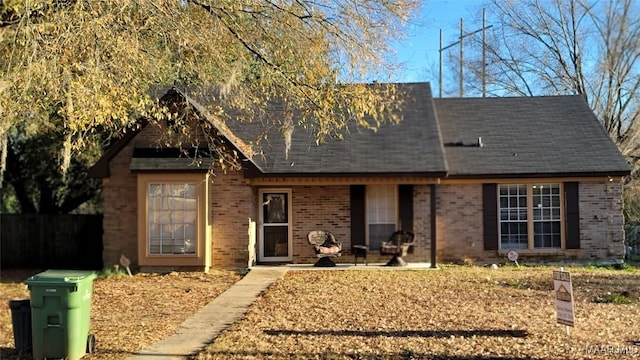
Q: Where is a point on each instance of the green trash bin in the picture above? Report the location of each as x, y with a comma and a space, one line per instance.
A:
60, 313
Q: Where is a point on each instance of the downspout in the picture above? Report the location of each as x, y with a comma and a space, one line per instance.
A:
432, 192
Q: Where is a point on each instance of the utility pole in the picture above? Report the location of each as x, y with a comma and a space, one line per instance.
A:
440, 81
460, 41
484, 57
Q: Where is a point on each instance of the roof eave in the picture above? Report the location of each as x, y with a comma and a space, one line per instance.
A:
618, 173
101, 168
435, 174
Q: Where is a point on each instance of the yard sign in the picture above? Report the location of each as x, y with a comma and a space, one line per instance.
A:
564, 297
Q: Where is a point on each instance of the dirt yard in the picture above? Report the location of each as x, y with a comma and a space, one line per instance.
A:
457, 312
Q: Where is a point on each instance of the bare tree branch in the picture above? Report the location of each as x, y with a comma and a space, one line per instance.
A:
571, 47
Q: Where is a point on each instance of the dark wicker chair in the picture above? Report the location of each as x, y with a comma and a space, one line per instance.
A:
325, 246
398, 246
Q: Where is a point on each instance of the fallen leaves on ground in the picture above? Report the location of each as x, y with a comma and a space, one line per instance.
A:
457, 312
454, 313
127, 313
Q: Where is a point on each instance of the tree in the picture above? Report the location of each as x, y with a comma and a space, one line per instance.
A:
585, 47
77, 68
34, 182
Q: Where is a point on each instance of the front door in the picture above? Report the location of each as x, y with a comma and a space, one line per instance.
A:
275, 219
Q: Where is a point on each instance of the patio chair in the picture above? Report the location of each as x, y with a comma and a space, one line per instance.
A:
398, 246
325, 247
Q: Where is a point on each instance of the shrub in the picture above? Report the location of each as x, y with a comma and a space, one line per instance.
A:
609, 298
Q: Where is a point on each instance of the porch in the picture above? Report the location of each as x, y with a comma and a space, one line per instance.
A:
347, 266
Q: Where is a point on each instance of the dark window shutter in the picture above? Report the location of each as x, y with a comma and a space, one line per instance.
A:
357, 215
572, 220
490, 216
405, 204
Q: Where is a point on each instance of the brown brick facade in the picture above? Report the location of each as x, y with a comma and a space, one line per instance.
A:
601, 221
120, 224
601, 226
327, 208
459, 223
233, 202
319, 208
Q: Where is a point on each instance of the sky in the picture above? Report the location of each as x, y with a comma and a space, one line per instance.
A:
419, 50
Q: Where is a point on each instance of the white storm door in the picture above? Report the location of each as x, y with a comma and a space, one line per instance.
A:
275, 231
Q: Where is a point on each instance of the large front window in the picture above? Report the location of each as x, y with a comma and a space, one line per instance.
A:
530, 216
381, 214
172, 218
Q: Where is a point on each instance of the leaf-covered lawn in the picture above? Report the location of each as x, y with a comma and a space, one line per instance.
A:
456, 312
453, 313
128, 313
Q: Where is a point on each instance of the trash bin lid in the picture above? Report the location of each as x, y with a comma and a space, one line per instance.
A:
17, 304
60, 277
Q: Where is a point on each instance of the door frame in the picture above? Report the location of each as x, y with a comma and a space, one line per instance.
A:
262, 225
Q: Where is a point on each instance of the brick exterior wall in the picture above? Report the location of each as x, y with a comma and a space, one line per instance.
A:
460, 229
233, 203
328, 208
601, 222
119, 195
319, 208
421, 225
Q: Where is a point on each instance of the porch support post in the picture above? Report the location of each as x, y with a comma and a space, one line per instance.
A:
433, 211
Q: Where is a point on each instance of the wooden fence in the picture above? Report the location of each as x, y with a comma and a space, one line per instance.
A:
34, 241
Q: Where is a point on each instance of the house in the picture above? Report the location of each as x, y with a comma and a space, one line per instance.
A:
473, 178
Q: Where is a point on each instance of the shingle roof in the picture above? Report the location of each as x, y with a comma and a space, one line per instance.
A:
521, 137
526, 136
409, 147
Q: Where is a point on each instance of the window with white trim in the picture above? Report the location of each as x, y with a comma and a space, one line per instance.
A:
530, 216
546, 216
172, 210
381, 214
513, 217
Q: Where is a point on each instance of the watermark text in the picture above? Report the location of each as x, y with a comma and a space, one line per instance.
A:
613, 349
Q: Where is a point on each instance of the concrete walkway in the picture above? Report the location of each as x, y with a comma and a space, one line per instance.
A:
197, 332
204, 326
